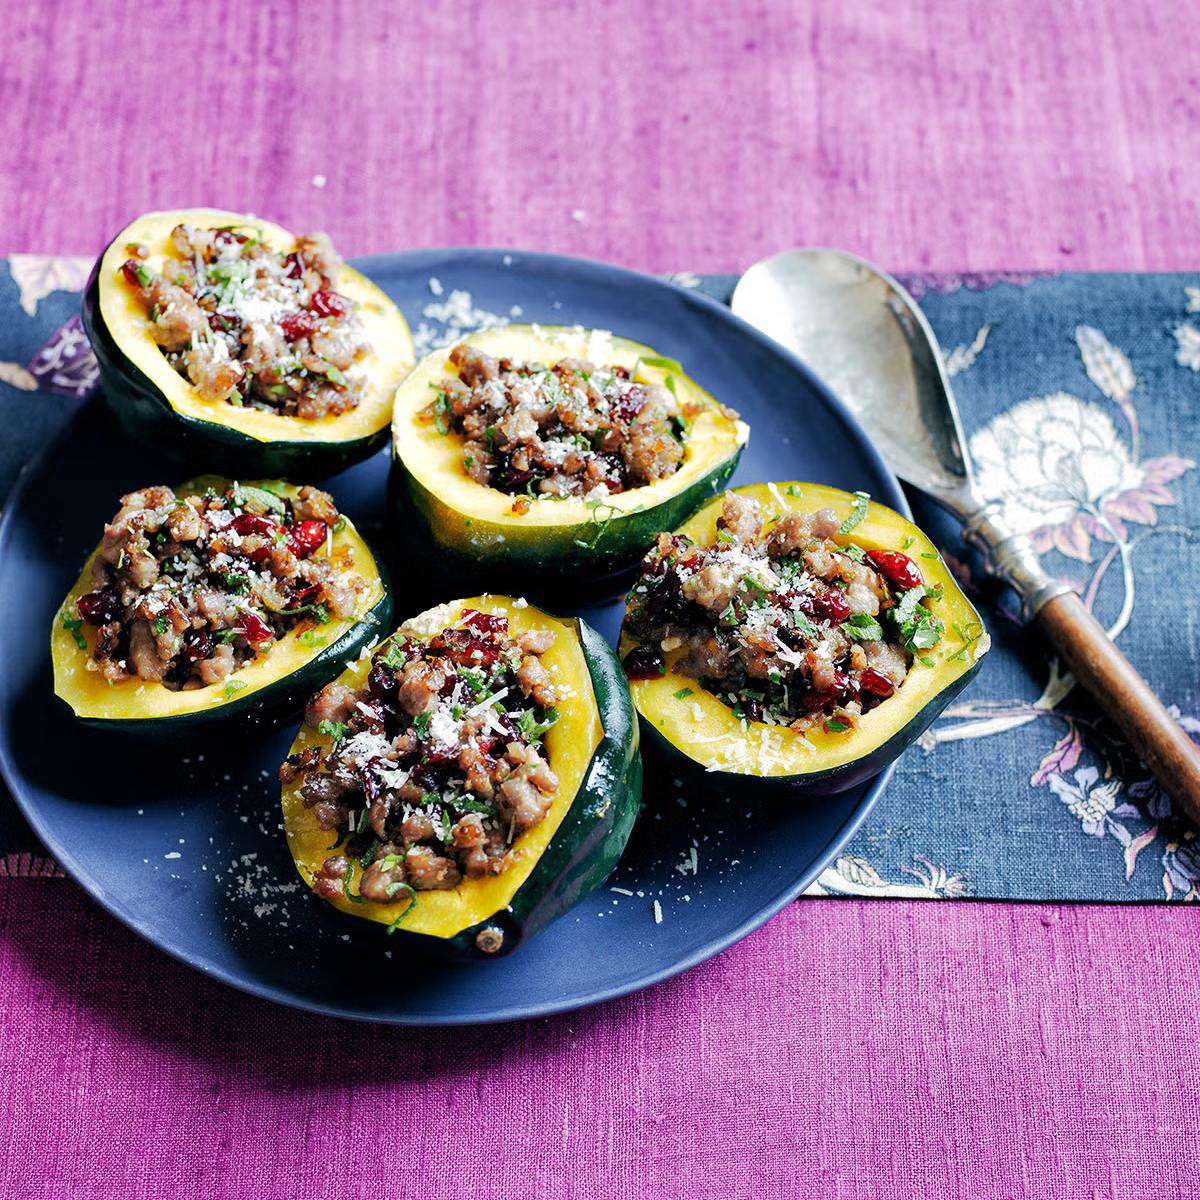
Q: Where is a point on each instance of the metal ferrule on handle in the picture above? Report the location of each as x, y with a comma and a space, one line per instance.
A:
1011, 556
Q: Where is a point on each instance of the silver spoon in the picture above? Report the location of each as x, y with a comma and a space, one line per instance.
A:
864, 335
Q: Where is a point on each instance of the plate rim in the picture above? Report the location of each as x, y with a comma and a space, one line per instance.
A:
95, 888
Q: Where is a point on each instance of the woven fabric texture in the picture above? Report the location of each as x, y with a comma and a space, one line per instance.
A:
849, 1050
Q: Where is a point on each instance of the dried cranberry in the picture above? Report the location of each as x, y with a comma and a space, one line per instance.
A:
487, 744
133, 270
229, 237
876, 683
225, 322
754, 709
382, 684
294, 267
198, 645
329, 304
245, 523
629, 404
643, 662
464, 648
254, 629
486, 623
441, 756
98, 608
306, 536
831, 604
829, 698
298, 325
898, 569
664, 602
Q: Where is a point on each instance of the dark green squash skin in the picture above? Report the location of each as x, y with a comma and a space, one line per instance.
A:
267, 707
145, 414
586, 846
659, 750
616, 550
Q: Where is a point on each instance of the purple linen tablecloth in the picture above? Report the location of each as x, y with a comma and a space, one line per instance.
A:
879, 1049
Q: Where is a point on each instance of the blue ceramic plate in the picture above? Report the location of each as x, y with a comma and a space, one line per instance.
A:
186, 847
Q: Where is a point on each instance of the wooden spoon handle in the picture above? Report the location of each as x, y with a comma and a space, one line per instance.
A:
1160, 741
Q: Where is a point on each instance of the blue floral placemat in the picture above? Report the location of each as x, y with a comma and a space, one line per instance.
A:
1081, 398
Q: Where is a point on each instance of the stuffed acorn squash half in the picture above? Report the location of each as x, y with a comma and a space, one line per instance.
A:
474, 777
552, 452
212, 602
225, 338
794, 637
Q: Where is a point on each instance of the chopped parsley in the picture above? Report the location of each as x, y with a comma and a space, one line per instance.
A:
334, 729
232, 688
683, 693
311, 639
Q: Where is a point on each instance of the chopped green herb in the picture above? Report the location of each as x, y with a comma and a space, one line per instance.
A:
311, 639
443, 414
723, 535
858, 510
369, 856
355, 897
161, 625
862, 628
531, 727
73, 625
919, 629
908, 541
245, 495
393, 656
334, 729
598, 521
412, 896
803, 624
421, 725
236, 583
930, 554
469, 804
232, 688
793, 489
664, 364
833, 725
683, 693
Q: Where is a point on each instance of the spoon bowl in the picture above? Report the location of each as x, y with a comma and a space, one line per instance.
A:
867, 339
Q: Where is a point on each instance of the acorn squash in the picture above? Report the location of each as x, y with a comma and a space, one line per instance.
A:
474, 529
699, 735
269, 688
593, 750
156, 404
